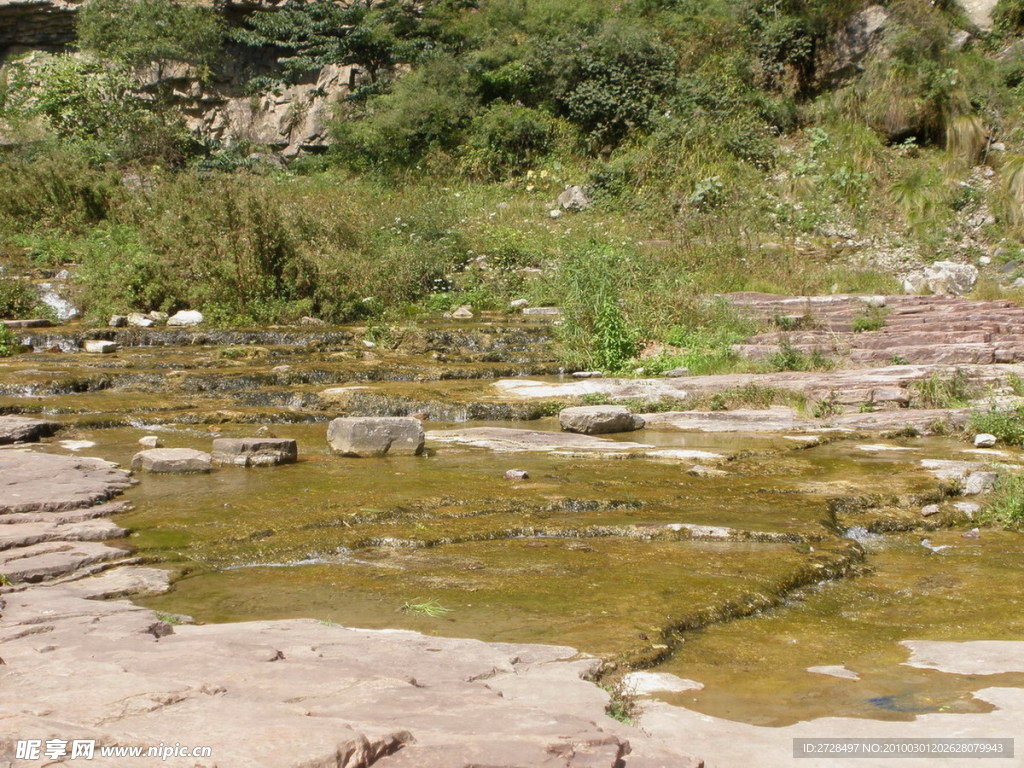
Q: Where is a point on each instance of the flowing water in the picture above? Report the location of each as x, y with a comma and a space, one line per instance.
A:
740, 579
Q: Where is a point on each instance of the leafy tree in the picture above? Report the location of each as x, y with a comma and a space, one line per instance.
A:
316, 33
142, 32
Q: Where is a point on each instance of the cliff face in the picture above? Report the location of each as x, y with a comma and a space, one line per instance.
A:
291, 120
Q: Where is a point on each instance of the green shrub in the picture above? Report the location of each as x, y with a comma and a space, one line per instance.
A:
594, 332
9, 345
1006, 504
141, 32
615, 81
1007, 424
18, 299
427, 109
506, 139
1008, 15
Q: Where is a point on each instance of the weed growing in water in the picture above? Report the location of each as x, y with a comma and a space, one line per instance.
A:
1006, 506
430, 608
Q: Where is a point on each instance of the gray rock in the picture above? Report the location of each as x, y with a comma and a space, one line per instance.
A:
376, 436
573, 198
929, 510
968, 508
186, 317
543, 311
959, 39
984, 440
853, 42
172, 461
599, 419
158, 317
677, 373
99, 347
979, 482
517, 474
254, 451
943, 278
118, 321
150, 441
518, 303
314, 322
139, 320
464, 312
588, 374
21, 429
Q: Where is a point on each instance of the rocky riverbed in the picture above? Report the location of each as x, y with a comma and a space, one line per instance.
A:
646, 547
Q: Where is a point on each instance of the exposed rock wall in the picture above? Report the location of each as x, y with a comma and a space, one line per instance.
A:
291, 120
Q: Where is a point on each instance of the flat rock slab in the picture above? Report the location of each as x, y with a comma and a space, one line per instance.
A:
368, 436
978, 657
20, 429
505, 440
177, 461
122, 581
26, 534
31, 481
645, 683
301, 692
782, 419
599, 419
254, 451
52, 559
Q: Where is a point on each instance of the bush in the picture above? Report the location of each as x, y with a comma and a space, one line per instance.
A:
1008, 15
615, 81
507, 139
1007, 424
944, 391
427, 109
18, 299
141, 32
593, 333
9, 345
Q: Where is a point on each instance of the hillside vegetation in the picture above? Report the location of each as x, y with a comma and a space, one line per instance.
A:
724, 145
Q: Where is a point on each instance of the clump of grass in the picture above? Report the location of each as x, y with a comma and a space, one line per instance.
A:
1006, 504
430, 608
1007, 424
944, 390
622, 705
789, 358
872, 319
1015, 383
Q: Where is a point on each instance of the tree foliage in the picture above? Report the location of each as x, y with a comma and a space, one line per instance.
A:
142, 32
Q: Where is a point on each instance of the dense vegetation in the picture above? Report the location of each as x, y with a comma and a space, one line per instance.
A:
720, 146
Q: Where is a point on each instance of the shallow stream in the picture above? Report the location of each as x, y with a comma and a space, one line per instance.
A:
739, 577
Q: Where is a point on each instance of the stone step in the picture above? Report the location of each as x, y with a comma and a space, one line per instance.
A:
40, 562
27, 534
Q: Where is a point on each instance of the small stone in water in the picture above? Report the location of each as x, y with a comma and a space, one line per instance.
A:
974, 533
463, 313
100, 347
517, 474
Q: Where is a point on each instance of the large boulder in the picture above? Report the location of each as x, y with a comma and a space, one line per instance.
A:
943, 278
599, 419
376, 436
254, 451
852, 44
176, 461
